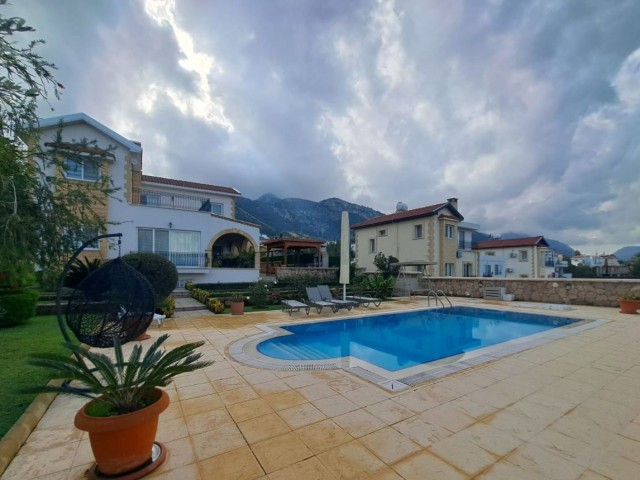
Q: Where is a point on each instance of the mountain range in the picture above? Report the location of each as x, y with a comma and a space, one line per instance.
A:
296, 217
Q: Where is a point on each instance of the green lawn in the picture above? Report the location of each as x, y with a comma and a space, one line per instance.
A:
38, 334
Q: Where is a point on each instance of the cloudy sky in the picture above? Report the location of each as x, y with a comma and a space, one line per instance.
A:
527, 111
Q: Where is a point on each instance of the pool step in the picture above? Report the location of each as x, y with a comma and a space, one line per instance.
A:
298, 352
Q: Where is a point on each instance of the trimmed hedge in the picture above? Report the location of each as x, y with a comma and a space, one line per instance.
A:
161, 273
17, 308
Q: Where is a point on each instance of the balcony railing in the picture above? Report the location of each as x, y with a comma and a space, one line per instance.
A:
555, 263
464, 245
185, 259
154, 198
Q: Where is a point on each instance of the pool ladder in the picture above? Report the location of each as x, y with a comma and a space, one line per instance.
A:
438, 295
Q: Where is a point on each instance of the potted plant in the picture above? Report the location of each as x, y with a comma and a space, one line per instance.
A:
125, 399
237, 304
629, 303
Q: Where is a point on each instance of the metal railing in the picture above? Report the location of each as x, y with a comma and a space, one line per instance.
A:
184, 259
154, 198
464, 245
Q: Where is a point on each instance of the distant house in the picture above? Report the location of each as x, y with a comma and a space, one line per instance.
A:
528, 257
603, 265
192, 224
435, 234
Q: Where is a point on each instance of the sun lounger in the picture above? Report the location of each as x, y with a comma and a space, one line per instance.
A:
325, 293
365, 300
291, 306
315, 300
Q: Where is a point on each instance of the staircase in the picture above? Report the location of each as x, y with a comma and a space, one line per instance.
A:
184, 302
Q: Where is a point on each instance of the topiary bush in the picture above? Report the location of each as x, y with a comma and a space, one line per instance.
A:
215, 305
161, 273
17, 308
168, 307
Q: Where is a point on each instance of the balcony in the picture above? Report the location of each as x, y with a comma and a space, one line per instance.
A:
184, 259
464, 245
556, 263
154, 198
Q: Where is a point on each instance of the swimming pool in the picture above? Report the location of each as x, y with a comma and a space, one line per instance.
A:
402, 340
399, 349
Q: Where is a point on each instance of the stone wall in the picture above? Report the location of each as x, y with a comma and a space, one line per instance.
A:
327, 273
570, 291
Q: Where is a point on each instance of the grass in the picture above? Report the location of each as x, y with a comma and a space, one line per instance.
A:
38, 334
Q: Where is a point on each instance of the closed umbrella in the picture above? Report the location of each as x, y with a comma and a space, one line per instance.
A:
344, 253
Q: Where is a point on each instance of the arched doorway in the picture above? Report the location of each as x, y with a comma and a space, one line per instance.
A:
232, 249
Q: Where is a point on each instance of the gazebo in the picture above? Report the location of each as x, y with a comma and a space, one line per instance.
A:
297, 244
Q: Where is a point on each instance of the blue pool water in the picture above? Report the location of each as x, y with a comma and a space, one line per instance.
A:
402, 340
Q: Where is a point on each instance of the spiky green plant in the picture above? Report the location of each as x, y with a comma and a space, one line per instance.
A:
118, 386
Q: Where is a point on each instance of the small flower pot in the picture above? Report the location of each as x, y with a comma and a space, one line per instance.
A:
237, 307
629, 306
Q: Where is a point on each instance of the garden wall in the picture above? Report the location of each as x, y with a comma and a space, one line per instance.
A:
570, 291
328, 273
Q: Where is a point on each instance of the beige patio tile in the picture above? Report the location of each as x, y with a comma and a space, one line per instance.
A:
239, 464
238, 395
229, 383
323, 435
187, 472
248, 410
316, 391
278, 452
301, 415
386, 474
422, 432
309, 469
491, 439
364, 396
506, 471
201, 422
351, 461
206, 403
632, 431
46, 438
515, 424
179, 453
263, 427
389, 411
543, 463
570, 448
273, 386
359, 422
334, 406
344, 384
286, 399
413, 400
591, 475
193, 378
613, 465
214, 442
172, 429
193, 391
40, 463
302, 380
84, 454
262, 376
389, 445
463, 454
439, 393
425, 465
472, 408
448, 417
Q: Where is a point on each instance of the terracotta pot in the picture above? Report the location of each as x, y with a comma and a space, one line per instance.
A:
123, 443
237, 308
628, 306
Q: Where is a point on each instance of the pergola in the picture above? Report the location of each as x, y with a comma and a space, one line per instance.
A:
286, 244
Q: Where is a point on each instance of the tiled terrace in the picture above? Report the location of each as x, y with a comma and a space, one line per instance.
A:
566, 410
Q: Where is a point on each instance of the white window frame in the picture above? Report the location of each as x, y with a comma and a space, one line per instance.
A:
80, 167
218, 205
372, 245
449, 269
523, 256
448, 230
418, 231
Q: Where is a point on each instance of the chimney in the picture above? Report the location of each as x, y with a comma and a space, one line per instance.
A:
454, 202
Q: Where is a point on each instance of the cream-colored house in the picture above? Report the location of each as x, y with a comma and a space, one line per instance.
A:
528, 257
435, 234
192, 224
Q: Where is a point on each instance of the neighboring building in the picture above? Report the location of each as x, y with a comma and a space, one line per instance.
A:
603, 265
427, 234
191, 224
518, 258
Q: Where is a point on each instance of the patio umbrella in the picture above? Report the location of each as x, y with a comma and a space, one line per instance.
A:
344, 253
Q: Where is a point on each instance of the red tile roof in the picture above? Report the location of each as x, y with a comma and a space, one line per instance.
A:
406, 215
513, 242
183, 183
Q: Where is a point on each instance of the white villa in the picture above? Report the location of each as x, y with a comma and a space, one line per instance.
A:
192, 224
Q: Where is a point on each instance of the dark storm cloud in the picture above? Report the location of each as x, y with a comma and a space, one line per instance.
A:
526, 111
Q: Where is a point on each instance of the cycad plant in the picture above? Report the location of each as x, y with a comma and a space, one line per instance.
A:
117, 386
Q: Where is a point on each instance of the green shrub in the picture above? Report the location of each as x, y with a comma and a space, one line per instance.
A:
215, 305
17, 308
80, 270
380, 285
161, 273
259, 295
188, 286
168, 307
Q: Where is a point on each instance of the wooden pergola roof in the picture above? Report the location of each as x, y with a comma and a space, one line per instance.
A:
286, 244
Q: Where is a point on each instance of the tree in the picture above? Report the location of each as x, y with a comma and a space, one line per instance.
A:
42, 215
634, 266
386, 265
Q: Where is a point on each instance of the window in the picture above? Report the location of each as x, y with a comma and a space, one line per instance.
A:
461, 243
217, 208
86, 233
417, 231
449, 269
468, 269
86, 170
523, 256
497, 269
448, 231
382, 233
487, 270
372, 245
181, 247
